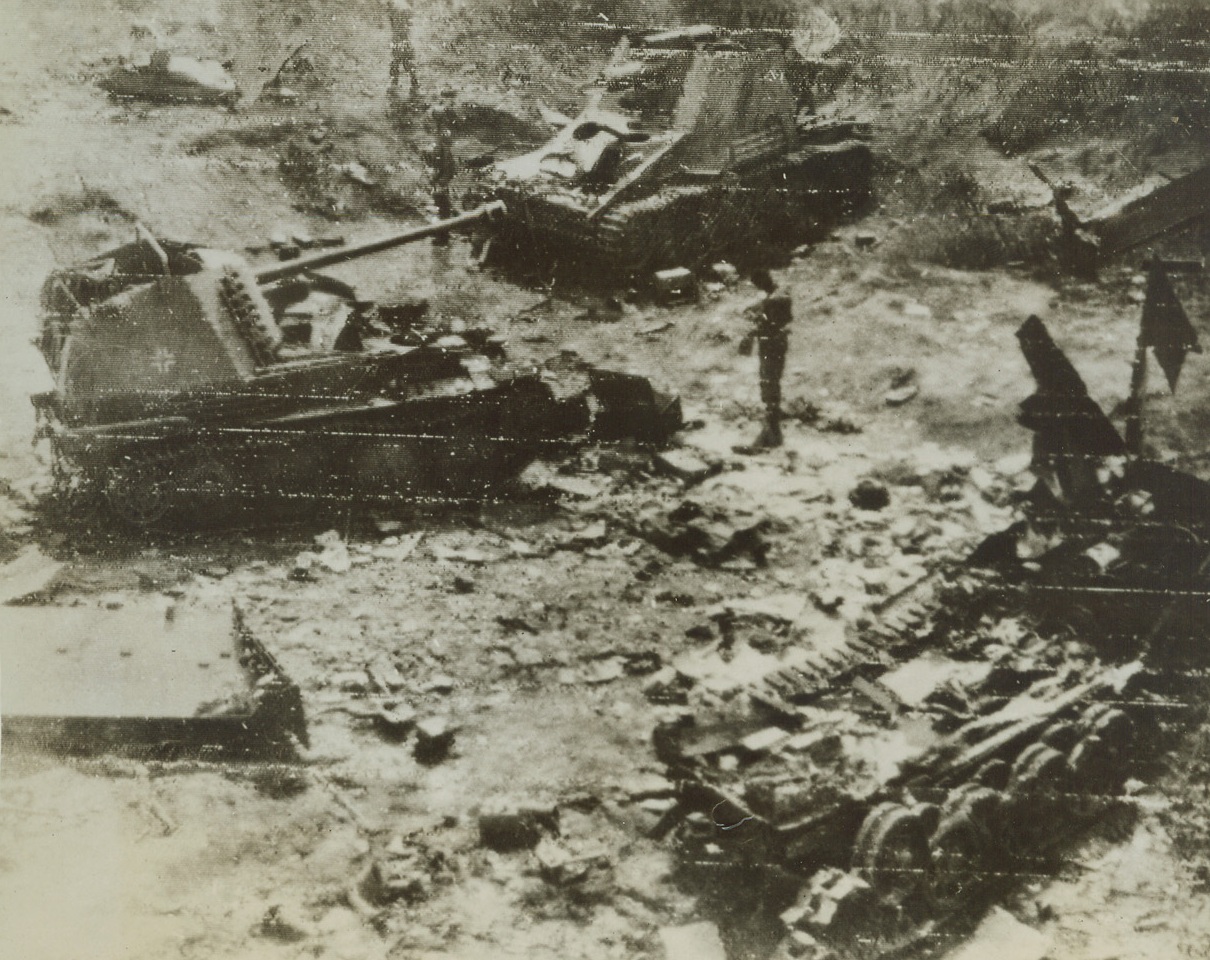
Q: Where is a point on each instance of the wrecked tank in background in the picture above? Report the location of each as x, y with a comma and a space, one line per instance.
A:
189, 385
1098, 230
162, 77
909, 771
689, 148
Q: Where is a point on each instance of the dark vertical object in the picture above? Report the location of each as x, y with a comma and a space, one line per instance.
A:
1166, 327
1071, 433
1134, 405
1066, 419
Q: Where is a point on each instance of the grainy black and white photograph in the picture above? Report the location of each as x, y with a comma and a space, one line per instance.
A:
604, 479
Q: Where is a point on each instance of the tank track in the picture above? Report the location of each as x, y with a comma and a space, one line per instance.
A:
1031, 762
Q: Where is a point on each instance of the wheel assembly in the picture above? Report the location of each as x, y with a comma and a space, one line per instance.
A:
892, 850
1035, 793
964, 842
1115, 728
205, 486
139, 491
958, 850
1095, 761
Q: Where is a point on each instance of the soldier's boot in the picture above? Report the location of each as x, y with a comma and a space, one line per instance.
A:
769, 438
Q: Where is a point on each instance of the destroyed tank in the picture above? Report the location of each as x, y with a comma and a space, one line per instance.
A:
187, 381
904, 773
689, 148
164, 78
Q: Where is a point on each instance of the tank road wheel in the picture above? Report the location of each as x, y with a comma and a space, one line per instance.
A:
80, 499
205, 487
1062, 736
1096, 763
1035, 792
1090, 765
994, 774
957, 851
962, 843
1116, 728
139, 491
1038, 768
892, 850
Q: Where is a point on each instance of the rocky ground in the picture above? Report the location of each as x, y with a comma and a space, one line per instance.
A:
528, 627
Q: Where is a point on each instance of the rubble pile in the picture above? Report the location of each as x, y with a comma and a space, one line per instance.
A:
919, 760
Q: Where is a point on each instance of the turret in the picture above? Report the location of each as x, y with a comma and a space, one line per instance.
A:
154, 319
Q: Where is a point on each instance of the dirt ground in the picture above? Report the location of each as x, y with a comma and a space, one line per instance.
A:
533, 622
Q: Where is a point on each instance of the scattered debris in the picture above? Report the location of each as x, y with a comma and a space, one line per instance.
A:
395, 722
333, 554
709, 539
903, 388
870, 494
668, 686
675, 285
970, 729
277, 926
470, 555
592, 535
651, 329
834, 899
409, 871
605, 670
506, 826
357, 173
515, 624
27, 576
725, 273
685, 466
434, 739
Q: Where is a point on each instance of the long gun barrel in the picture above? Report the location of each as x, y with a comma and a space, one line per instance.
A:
329, 257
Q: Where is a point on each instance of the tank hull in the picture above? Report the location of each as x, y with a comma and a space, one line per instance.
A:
215, 464
786, 201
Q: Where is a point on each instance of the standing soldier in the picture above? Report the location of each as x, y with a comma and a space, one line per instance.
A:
770, 317
403, 55
444, 167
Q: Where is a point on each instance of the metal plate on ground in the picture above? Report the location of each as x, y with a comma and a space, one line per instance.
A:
145, 678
